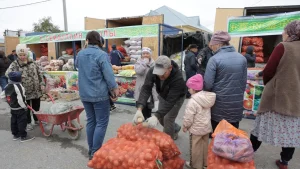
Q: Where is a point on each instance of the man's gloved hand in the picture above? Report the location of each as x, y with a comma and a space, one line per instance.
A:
138, 117
152, 121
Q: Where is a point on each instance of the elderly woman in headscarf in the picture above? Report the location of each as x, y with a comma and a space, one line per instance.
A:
226, 75
32, 80
142, 67
278, 119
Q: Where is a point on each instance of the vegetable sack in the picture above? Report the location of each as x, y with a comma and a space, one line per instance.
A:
217, 162
162, 140
119, 153
233, 147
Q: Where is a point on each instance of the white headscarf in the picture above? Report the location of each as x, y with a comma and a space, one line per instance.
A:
22, 48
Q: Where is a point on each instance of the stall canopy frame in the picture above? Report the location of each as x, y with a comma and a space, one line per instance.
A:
169, 30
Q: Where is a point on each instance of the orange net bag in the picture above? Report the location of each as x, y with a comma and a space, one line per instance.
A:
174, 163
259, 54
259, 60
246, 41
162, 140
119, 153
217, 162
257, 41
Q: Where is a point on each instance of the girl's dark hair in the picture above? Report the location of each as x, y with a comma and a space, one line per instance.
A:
2, 54
94, 38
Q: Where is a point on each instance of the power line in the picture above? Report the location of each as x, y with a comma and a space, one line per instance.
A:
17, 6
257, 2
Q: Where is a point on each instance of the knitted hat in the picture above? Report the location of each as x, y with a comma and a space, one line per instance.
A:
22, 49
219, 38
15, 76
146, 49
195, 82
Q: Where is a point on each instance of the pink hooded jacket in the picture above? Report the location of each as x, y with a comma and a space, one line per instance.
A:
197, 117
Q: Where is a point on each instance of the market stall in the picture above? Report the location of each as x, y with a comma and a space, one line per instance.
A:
125, 75
264, 33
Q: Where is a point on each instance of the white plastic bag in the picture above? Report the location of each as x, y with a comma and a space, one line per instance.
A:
155, 109
60, 108
135, 47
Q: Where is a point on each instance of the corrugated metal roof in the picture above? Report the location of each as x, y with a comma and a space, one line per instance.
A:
175, 18
195, 20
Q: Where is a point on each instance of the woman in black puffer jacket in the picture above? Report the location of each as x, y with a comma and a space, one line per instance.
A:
250, 56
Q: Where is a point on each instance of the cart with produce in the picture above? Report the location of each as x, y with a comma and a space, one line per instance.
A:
68, 119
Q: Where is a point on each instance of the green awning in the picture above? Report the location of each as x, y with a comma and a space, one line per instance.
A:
260, 25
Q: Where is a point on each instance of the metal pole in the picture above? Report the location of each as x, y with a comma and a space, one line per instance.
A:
65, 16
159, 26
181, 58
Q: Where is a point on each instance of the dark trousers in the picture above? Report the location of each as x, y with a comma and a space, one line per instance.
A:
18, 122
35, 104
214, 125
111, 103
286, 154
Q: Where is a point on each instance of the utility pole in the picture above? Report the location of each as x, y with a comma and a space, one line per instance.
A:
65, 15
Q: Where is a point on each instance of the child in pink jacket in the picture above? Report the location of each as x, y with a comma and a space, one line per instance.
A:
197, 120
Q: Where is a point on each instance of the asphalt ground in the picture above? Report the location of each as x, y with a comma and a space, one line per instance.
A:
59, 152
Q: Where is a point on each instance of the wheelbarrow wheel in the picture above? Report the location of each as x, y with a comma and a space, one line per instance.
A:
74, 134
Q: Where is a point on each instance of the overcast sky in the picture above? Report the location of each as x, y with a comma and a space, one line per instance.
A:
24, 17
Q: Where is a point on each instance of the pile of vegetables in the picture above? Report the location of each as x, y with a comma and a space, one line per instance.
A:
138, 147
118, 69
217, 162
162, 140
257, 43
123, 154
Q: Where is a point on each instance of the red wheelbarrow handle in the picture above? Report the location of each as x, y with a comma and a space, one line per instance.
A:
30, 108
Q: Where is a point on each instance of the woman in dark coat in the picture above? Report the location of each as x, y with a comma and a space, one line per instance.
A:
4, 64
191, 63
250, 56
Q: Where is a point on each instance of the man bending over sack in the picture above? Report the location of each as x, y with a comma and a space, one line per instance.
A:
170, 86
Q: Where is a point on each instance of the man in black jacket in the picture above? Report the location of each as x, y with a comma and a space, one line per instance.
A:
170, 86
13, 56
203, 57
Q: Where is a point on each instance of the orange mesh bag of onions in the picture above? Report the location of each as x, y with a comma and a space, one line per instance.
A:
162, 140
174, 163
119, 153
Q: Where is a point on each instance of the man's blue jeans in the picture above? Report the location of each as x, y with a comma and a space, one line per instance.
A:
3, 82
97, 114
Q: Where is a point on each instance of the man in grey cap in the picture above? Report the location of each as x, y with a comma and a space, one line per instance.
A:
170, 86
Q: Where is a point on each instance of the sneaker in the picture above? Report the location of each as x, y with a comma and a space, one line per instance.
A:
16, 138
29, 127
112, 108
27, 138
280, 165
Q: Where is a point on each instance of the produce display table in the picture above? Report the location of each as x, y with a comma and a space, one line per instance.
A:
69, 80
252, 93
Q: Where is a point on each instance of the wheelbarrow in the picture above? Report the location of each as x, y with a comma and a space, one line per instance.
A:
68, 121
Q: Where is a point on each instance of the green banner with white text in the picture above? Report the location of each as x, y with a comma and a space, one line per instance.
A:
108, 33
260, 25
